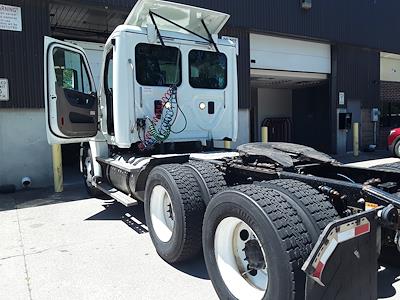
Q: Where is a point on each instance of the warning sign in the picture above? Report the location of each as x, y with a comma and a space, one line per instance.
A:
4, 95
10, 18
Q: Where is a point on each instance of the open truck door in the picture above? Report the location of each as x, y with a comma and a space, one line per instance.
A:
70, 95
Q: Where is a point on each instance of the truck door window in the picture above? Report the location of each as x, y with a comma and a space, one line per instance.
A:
207, 70
157, 65
70, 70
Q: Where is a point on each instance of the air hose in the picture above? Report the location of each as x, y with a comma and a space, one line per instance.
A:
158, 128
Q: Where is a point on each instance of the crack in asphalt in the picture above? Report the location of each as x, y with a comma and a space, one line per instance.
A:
23, 253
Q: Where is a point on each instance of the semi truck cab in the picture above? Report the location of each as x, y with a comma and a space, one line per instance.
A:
274, 220
166, 77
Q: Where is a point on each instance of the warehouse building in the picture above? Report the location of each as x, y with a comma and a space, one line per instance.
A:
306, 69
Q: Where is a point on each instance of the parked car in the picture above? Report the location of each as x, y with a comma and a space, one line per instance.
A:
394, 141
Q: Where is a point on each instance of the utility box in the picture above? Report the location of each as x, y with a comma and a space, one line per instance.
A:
345, 120
375, 113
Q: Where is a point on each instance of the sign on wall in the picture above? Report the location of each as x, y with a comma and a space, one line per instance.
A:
341, 98
4, 94
10, 18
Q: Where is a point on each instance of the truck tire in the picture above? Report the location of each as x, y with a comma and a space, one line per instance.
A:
87, 173
209, 178
254, 245
174, 212
314, 207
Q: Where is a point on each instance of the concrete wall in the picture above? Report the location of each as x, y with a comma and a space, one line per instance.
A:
390, 67
24, 150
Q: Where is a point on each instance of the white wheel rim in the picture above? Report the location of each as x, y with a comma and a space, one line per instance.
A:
88, 166
162, 213
230, 257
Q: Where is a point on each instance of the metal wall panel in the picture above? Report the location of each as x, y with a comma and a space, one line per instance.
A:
371, 24
21, 55
358, 74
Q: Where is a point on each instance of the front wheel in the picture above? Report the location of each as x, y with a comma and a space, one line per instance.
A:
88, 173
254, 245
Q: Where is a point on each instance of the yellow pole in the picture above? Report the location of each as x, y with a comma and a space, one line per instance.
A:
227, 144
264, 134
356, 143
57, 168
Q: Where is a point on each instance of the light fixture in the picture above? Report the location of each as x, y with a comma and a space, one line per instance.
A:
202, 106
306, 4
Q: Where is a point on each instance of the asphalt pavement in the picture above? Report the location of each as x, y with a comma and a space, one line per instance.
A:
70, 246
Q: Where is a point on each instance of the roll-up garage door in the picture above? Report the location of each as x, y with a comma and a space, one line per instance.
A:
275, 53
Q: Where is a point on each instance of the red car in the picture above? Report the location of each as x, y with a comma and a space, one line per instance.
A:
394, 141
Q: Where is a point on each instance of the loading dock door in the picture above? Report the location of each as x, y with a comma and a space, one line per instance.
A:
275, 53
295, 73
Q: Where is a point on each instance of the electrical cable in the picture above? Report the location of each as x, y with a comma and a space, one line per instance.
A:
158, 128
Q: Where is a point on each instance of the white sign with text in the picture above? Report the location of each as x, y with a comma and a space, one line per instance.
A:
10, 18
4, 94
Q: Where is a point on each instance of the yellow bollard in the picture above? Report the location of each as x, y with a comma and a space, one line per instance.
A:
227, 144
356, 142
264, 134
57, 168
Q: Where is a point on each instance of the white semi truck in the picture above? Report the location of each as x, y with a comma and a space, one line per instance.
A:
274, 221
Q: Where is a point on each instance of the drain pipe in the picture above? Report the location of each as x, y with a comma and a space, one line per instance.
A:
26, 182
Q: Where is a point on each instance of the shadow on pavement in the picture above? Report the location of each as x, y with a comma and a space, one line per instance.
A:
41, 196
131, 216
196, 268
134, 217
387, 277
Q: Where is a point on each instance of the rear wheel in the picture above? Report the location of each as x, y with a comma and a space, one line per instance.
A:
209, 178
174, 212
254, 245
313, 207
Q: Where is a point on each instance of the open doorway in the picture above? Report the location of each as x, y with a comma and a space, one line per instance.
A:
70, 161
293, 105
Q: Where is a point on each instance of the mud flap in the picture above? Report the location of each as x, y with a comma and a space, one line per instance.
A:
344, 262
